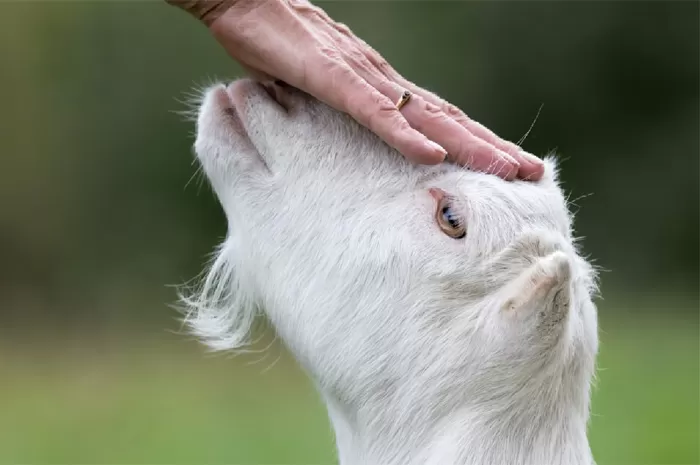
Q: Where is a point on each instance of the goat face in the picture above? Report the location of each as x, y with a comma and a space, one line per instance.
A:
387, 280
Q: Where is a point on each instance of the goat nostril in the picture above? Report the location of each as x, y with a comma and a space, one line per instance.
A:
270, 90
277, 93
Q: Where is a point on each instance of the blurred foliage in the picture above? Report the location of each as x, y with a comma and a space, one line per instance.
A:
100, 213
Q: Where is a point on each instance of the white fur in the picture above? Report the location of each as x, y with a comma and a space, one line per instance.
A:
427, 349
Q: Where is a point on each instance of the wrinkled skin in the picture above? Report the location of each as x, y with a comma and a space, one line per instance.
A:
298, 43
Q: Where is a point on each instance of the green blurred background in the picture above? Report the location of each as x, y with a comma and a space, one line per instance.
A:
98, 219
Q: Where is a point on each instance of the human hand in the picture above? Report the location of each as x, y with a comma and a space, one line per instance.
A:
298, 43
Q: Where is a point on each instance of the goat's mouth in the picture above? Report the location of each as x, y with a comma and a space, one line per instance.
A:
243, 90
242, 95
237, 93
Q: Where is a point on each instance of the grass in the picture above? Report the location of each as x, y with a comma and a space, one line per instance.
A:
161, 400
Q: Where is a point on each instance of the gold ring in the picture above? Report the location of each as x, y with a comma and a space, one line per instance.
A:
403, 100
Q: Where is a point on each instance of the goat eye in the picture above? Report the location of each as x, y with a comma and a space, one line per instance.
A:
449, 221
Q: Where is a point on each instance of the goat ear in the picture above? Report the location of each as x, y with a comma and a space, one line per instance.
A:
541, 293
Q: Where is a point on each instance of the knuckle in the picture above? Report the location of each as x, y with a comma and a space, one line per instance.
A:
382, 108
433, 110
343, 29
378, 60
340, 76
381, 63
356, 56
331, 54
430, 116
388, 123
451, 110
462, 120
455, 113
366, 109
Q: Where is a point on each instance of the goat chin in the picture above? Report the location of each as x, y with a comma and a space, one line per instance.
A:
448, 328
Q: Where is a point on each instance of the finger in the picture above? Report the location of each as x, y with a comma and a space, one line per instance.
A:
531, 167
458, 115
463, 147
335, 83
483, 155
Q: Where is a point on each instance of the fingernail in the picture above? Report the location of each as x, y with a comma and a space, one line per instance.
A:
531, 158
437, 147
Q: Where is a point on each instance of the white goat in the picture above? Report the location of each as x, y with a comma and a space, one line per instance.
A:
444, 315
